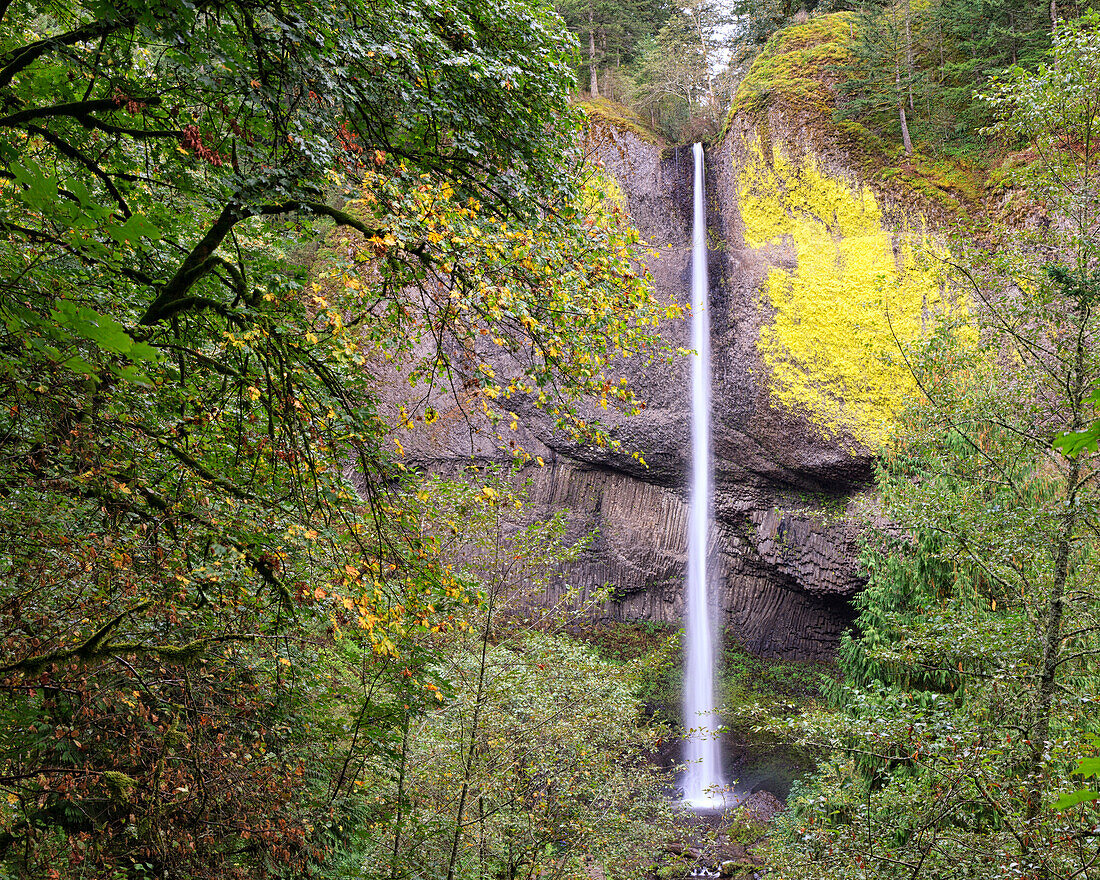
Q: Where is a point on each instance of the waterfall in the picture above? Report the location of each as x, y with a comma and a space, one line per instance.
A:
703, 779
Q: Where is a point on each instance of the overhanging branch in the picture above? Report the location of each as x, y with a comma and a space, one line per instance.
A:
94, 646
174, 298
21, 58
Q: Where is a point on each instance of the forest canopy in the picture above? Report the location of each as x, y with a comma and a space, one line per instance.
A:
219, 603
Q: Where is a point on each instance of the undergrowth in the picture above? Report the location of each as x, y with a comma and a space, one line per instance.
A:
771, 685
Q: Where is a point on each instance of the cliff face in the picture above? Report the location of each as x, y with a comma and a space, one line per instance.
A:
801, 263
782, 550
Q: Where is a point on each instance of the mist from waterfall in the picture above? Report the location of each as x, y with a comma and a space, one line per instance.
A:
703, 778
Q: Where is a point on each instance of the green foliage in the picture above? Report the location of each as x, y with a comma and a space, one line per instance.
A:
971, 678
760, 20
978, 42
528, 761
626, 641
555, 776
208, 629
676, 80
1087, 768
1055, 111
930, 744
744, 676
610, 32
926, 59
668, 62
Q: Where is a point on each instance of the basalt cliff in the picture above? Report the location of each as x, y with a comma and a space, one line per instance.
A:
812, 278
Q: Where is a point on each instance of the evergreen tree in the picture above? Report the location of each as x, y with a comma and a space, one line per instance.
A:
610, 31
882, 78
757, 20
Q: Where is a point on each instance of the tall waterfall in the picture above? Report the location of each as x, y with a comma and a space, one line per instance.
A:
703, 780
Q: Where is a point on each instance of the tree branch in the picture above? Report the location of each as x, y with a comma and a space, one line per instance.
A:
25, 56
76, 109
179, 653
67, 149
88, 650
174, 298
258, 563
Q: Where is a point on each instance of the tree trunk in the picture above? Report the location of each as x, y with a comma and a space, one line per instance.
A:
593, 75
1052, 624
704, 49
901, 111
909, 56
398, 818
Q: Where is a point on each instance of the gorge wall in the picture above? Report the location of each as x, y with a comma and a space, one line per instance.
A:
814, 282
792, 475
783, 546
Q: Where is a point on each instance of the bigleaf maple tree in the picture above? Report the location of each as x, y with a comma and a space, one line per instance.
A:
186, 391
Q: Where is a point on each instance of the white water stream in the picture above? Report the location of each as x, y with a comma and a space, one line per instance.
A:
703, 785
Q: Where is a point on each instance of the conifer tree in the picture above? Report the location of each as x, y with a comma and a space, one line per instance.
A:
610, 31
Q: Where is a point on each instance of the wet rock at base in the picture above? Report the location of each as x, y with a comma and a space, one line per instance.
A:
761, 806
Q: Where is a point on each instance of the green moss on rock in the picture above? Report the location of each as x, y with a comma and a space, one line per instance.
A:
619, 116
796, 68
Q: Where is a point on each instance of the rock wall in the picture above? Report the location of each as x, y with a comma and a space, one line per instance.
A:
786, 494
782, 548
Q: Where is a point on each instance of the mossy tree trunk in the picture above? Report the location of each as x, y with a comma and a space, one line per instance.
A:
906, 141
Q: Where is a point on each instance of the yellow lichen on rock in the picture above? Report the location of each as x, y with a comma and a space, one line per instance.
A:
856, 293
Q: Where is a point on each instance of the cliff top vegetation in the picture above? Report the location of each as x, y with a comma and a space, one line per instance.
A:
620, 116
809, 72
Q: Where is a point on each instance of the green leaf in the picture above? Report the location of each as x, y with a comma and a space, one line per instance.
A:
40, 190
131, 374
133, 229
1074, 798
143, 352
1073, 443
78, 365
1089, 766
89, 324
